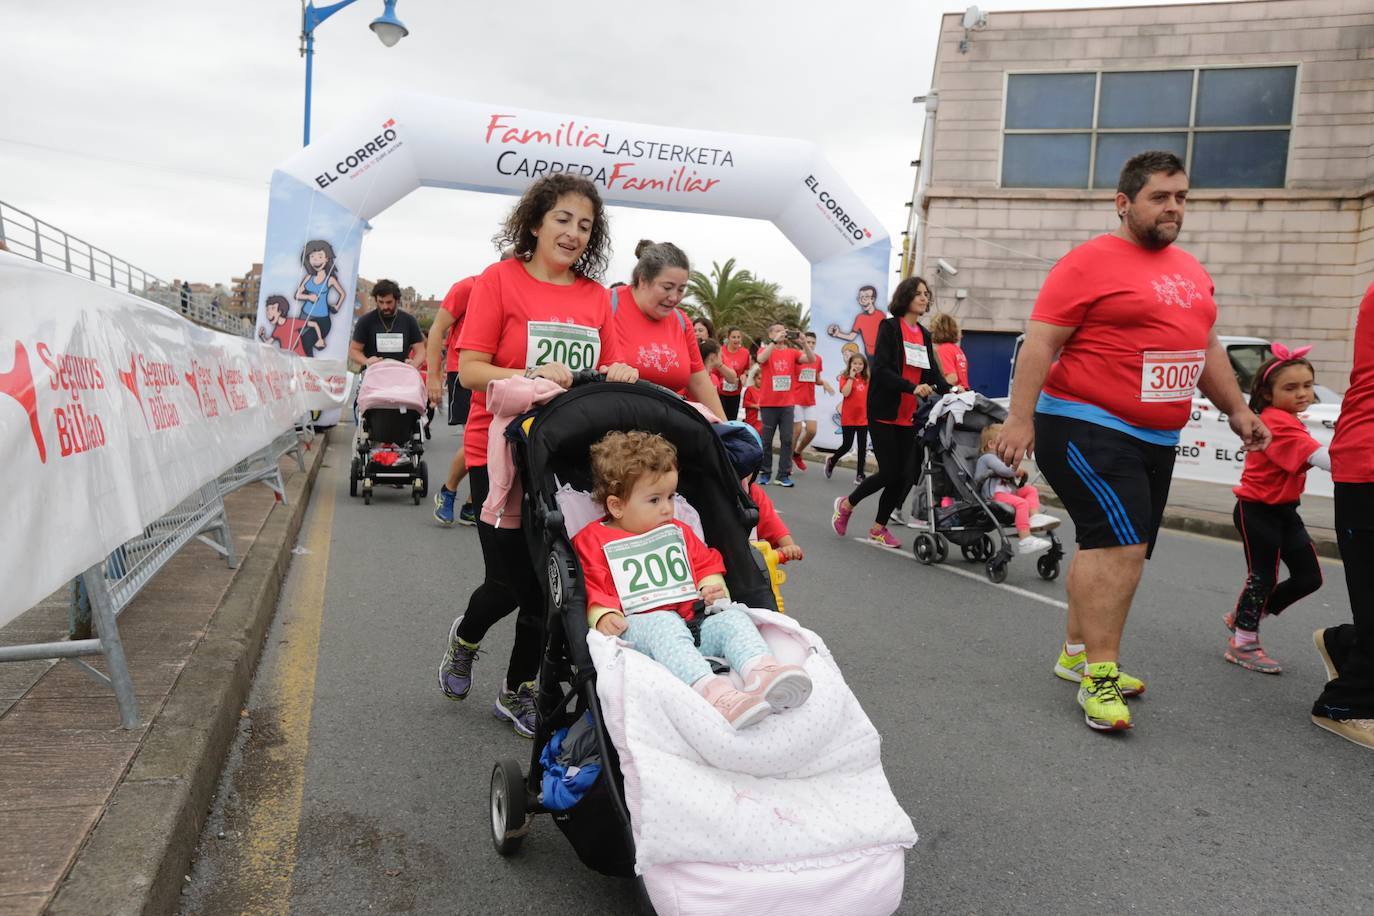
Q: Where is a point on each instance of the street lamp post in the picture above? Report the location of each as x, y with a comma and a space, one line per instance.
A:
388, 28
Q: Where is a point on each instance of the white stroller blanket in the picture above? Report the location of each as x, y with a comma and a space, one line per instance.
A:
795, 810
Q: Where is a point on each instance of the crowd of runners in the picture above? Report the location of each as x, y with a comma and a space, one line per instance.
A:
1120, 337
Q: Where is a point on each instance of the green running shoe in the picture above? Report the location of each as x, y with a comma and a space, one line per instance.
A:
1070, 668
1099, 693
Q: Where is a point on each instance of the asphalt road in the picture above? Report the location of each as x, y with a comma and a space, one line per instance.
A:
357, 787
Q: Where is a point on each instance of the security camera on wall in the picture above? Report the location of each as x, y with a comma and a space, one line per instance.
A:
946, 268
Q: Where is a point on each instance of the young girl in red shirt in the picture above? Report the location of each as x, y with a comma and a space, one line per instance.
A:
751, 400
853, 382
1266, 510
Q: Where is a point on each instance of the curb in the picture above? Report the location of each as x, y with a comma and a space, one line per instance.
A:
134, 859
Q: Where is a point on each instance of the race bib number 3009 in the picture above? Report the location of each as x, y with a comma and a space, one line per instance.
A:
576, 346
651, 569
1170, 375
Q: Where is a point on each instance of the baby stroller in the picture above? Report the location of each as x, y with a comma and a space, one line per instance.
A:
951, 505
388, 443
551, 452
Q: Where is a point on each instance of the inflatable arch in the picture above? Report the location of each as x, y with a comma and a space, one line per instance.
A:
322, 197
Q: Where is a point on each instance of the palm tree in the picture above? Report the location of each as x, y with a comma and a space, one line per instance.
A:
736, 298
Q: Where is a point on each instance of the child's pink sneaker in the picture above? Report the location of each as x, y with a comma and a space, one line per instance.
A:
740, 709
840, 520
783, 686
879, 534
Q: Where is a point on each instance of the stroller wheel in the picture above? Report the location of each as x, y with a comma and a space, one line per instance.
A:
996, 570
354, 472
1047, 567
970, 552
424, 480
925, 548
986, 548
941, 548
367, 492
509, 823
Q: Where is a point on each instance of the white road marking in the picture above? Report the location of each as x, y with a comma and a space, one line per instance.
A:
968, 574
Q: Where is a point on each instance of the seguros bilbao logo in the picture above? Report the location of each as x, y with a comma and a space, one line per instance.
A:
842, 220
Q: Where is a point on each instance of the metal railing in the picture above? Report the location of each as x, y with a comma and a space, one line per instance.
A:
28, 236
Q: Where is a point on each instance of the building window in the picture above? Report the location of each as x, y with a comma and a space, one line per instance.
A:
1230, 126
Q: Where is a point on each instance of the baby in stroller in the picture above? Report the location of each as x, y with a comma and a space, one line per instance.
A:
648, 576
1003, 485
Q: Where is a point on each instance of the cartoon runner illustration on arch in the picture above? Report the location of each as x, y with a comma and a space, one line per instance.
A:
316, 307
865, 324
286, 333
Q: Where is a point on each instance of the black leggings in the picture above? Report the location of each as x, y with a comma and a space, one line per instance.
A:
848, 435
308, 336
1271, 534
1351, 645
730, 403
510, 581
899, 456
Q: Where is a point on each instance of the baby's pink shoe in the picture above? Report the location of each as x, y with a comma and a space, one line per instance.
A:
782, 686
740, 709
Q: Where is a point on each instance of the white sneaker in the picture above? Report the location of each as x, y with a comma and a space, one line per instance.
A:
1032, 544
917, 522
1042, 522
897, 518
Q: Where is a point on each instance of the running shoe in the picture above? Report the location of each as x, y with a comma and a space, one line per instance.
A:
518, 708
1358, 731
1042, 522
829, 467
782, 686
1071, 668
879, 534
765, 479
1099, 693
455, 671
917, 522
798, 462
1319, 640
1032, 544
785, 482
840, 519
897, 518
444, 500
1251, 657
467, 515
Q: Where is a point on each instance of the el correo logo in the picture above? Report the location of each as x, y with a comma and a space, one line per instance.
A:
842, 219
361, 158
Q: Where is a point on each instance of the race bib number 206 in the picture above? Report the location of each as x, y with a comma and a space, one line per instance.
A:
1170, 375
576, 346
651, 569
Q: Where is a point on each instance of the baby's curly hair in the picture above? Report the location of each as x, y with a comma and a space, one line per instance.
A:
517, 233
620, 459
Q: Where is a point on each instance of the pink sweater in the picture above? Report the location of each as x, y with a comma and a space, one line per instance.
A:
507, 399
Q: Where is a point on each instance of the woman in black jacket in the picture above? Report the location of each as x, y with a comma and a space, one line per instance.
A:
904, 368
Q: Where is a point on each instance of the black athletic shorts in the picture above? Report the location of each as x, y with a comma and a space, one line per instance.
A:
1113, 485
459, 400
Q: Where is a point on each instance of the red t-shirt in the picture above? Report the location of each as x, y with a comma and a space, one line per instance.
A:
854, 408
1278, 474
952, 359
288, 335
1352, 448
771, 528
456, 304
808, 378
504, 300
866, 326
1142, 322
665, 352
590, 544
751, 409
737, 360
906, 408
779, 378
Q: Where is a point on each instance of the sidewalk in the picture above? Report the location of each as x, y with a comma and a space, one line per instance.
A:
98, 819
1196, 506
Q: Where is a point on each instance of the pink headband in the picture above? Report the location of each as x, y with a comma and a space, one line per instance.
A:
1283, 355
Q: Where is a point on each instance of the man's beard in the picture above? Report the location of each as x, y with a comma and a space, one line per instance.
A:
1152, 236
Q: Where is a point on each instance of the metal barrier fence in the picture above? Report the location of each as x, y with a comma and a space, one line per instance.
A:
26, 235
107, 588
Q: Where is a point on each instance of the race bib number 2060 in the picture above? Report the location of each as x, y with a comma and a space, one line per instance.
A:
651, 569
1170, 375
576, 346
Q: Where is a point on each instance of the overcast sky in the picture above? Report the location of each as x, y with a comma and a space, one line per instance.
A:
151, 127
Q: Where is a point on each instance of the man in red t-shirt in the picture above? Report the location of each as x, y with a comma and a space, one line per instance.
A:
865, 323
1131, 319
1346, 704
779, 396
443, 334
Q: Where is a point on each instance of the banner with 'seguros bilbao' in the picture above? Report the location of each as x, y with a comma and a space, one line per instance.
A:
113, 410
323, 196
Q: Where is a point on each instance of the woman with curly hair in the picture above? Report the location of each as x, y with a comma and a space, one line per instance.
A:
539, 314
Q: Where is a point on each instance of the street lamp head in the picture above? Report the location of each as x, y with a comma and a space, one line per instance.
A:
388, 28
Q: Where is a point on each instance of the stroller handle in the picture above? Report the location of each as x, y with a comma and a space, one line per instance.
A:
586, 377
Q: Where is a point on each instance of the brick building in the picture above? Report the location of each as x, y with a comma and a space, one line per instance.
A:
243, 296
1271, 104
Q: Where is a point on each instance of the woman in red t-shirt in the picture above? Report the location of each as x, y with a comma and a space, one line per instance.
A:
539, 314
654, 334
904, 368
1266, 512
734, 362
944, 329
853, 382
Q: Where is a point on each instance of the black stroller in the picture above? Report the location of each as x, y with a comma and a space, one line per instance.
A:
953, 510
552, 447
389, 443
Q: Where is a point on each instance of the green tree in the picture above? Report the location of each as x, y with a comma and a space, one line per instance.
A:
736, 298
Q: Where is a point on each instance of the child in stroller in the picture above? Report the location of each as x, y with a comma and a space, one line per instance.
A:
950, 503
388, 445
1001, 484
